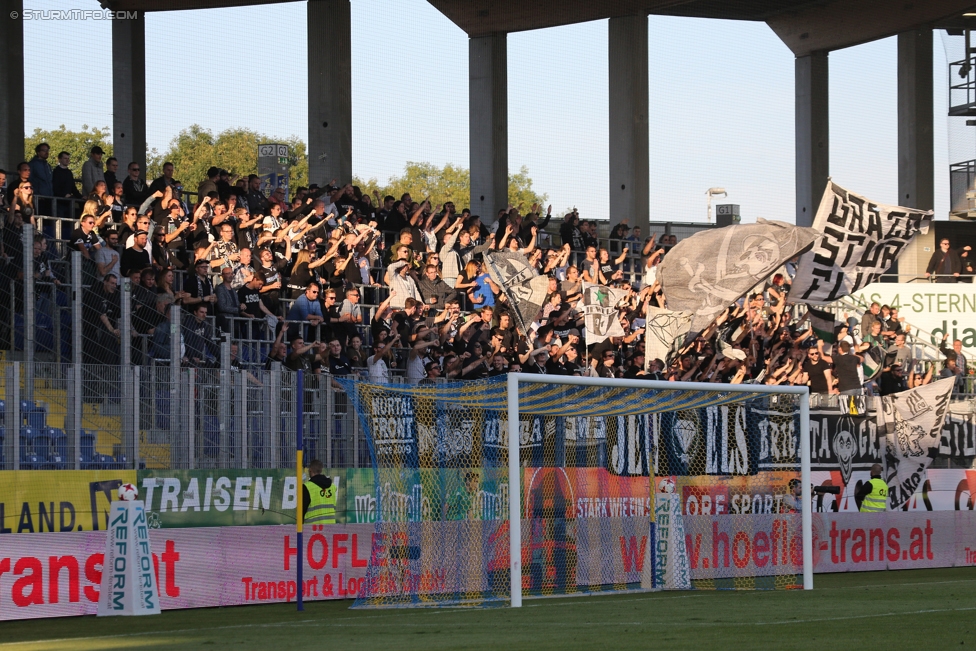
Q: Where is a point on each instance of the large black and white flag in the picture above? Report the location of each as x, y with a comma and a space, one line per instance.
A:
600, 312
666, 330
707, 272
859, 241
525, 288
910, 424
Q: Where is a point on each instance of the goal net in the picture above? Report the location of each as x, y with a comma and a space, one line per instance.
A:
617, 485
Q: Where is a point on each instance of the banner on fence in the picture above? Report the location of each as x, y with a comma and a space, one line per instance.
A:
35, 501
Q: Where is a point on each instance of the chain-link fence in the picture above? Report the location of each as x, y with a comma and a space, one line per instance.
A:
181, 417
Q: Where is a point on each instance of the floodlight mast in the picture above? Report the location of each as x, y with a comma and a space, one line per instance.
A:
714, 192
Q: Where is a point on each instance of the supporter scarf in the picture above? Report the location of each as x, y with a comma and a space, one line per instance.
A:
521, 283
600, 312
859, 240
707, 272
910, 425
872, 362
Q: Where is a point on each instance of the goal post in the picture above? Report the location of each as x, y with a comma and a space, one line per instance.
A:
514, 452
491, 491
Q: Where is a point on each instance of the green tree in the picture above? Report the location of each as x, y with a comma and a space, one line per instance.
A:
76, 143
195, 149
520, 192
449, 183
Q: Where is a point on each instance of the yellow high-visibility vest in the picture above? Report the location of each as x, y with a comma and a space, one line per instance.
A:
877, 500
322, 507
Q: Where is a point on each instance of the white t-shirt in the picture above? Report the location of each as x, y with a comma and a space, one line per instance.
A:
378, 370
104, 256
415, 370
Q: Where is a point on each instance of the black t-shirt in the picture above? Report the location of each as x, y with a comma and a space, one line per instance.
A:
632, 373
815, 370
132, 259
572, 368
251, 299
80, 240
553, 367
339, 365
845, 369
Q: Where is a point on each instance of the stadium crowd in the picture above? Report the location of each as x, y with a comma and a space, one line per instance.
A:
334, 280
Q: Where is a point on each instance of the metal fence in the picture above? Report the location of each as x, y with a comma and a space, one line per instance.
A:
156, 416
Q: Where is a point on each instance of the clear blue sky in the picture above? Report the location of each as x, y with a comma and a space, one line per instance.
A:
721, 98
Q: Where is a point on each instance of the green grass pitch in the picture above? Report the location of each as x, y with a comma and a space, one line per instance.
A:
918, 609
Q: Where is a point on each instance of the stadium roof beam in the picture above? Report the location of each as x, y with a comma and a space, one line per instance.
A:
181, 5
843, 23
805, 26
810, 28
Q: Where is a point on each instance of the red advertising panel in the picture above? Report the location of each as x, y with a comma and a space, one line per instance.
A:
58, 574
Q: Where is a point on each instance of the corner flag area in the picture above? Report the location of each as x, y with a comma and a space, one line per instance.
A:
881, 610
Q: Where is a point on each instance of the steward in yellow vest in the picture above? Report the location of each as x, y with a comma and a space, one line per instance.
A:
318, 496
873, 496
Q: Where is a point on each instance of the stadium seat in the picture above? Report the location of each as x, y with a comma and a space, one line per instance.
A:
59, 441
105, 462
2, 441
33, 415
51, 448
41, 443
89, 458
28, 459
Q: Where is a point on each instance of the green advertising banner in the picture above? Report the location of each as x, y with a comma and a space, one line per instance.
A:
218, 498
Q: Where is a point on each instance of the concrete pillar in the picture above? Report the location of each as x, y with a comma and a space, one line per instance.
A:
916, 158
329, 91
12, 83
129, 92
488, 124
812, 148
629, 191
